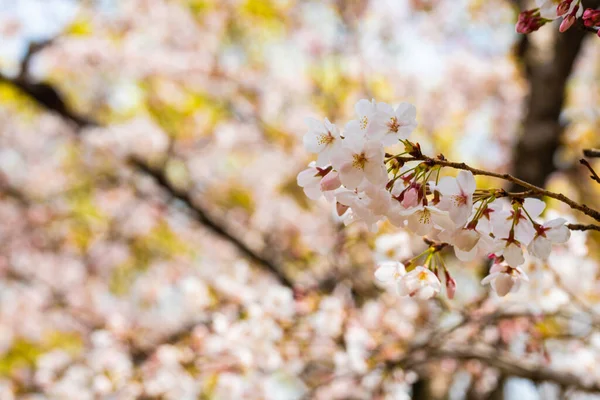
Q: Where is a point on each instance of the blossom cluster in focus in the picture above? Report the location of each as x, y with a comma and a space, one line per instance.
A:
368, 184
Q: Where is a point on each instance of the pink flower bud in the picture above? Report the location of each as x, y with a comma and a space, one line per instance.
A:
587, 14
529, 21
563, 7
566, 23
331, 181
411, 198
340, 208
450, 286
591, 17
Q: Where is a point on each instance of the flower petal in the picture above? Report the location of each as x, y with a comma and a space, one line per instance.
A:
490, 278
534, 206
513, 254
466, 181
388, 271
307, 177
558, 234
540, 247
503, 284
350, 176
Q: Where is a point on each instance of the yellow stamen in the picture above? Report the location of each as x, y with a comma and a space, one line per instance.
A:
393, 125
363, 122
459, 199
325, 139
359, 161
425, 216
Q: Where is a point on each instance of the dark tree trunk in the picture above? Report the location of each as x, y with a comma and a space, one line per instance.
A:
542, 129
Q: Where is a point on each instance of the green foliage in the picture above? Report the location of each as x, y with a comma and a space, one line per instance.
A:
79, 27
194, 114
279, 137
238, 196
85, 216
12, 97
200, 7
159, 244
333, 87
24, 353
265, 12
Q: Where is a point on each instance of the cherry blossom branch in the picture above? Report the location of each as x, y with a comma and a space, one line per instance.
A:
140, 354
217, 227
504, 362
582, 227
507, 364
432, 350
594, 176
591, 153
513, 366
441, 161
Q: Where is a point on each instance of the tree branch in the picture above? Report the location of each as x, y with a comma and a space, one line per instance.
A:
591, 153
547, 78
582, 227
594, 176
511, 365
509, 178
215, 226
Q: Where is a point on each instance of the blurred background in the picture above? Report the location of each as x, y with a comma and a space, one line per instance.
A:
154, 243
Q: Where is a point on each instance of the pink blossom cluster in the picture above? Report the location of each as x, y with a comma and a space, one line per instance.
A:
549, 10
367, 184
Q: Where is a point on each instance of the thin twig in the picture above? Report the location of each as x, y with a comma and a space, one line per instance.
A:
582, 227
509, 178
210, 222
594, 176
591, 153
511, 365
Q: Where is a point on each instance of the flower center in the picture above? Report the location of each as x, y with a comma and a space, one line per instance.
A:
425, 217
393, 125
422, 276
460, 199
359, 161
363, 122
325, 139
541, 230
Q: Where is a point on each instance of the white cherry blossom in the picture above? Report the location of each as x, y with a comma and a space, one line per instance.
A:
551, 232
505, 220
391, 272
457, 196
310, 180
422, 220
469, 243
394, 246
368, 204
360, 160
391, 124
322, 138
504, 279
420, 283
365, 110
